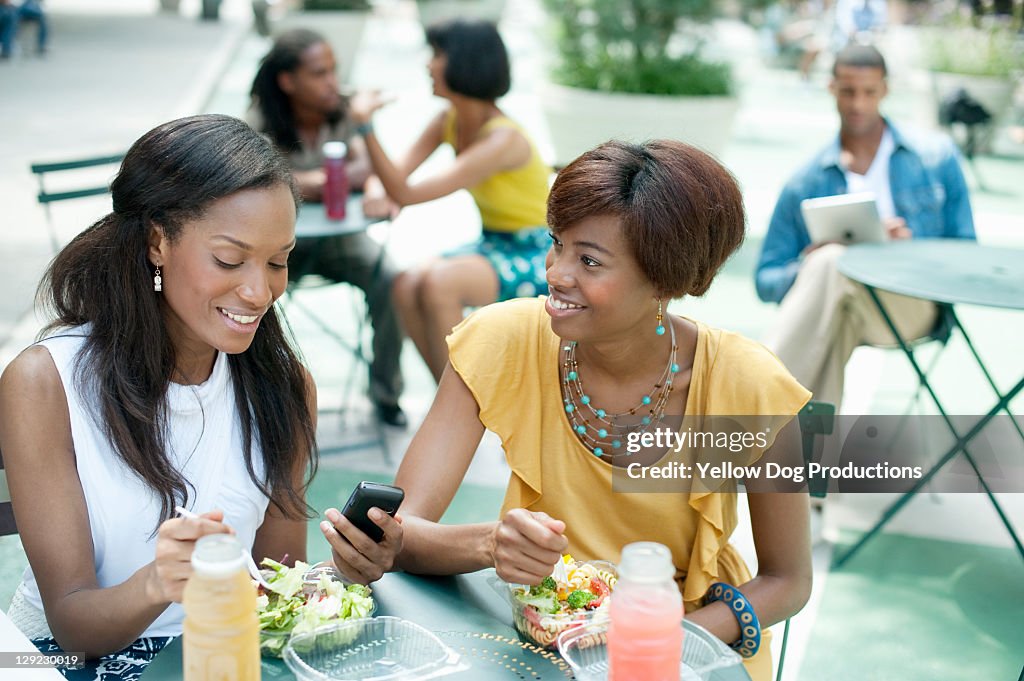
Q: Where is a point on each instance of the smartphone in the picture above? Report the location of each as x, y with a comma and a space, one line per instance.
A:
365, 496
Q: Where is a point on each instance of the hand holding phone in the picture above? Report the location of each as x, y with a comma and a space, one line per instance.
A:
365, 496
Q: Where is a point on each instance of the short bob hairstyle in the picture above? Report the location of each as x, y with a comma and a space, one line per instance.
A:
681, 210
477, 59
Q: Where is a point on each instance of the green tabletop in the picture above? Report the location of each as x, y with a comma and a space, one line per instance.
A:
312, 221
950, 271
470, 616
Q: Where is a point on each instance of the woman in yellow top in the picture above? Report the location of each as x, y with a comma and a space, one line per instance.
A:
567, 381
494, 160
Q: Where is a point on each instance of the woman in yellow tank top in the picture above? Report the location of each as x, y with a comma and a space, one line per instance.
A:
494, 160
571, 380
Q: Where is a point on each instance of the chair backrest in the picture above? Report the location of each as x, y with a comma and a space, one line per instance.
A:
88, 187
816, 418
7, 525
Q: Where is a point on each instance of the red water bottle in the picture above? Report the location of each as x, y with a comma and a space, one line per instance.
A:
336, 183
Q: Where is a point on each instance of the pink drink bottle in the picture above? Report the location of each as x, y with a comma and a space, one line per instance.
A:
336, 184
645, 635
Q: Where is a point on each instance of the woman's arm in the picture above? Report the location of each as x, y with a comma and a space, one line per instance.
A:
501, 149
431, 471
280, 537
426, 144
376, 202
781, 528
523, 546
53, 521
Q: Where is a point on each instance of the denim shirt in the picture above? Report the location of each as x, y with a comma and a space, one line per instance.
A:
928, 191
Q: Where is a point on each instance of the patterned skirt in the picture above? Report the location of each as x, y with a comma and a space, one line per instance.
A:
517, 258
124, 665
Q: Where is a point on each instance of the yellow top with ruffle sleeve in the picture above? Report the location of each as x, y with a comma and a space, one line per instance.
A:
508, 356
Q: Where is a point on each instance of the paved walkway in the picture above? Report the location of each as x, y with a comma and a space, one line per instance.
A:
114, 70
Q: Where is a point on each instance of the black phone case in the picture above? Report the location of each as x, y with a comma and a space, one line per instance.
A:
365, 496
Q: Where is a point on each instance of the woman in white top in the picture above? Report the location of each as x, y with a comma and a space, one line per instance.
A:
164, 379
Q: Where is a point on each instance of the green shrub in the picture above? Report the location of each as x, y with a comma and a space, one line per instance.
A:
637, 46
976, 51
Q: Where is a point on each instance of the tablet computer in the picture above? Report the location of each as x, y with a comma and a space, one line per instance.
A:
845, 219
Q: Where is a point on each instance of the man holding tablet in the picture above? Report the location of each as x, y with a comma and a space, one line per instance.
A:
919, 192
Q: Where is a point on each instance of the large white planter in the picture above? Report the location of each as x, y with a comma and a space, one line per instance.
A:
579, 119
343, 30
433, 11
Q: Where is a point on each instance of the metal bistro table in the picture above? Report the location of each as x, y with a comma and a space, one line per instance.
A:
313, 230
467, 614
951, 272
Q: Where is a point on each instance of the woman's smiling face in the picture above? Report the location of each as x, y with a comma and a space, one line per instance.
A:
597, 290
224, 271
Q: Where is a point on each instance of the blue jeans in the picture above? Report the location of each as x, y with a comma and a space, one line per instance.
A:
8, 28
11, 17
31, 10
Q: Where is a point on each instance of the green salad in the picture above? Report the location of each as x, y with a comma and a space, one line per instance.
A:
301, 599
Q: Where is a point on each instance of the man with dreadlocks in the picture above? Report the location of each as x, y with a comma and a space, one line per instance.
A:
296, 102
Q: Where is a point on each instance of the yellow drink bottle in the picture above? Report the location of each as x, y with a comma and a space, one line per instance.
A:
222, 633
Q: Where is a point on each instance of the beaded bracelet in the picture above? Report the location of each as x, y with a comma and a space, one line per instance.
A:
741, 609
364, 129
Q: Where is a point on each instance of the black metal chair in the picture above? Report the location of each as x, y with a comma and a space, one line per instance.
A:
816, 418
7, 524
90, 188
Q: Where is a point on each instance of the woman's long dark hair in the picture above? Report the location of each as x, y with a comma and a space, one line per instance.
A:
169, 177
268, 97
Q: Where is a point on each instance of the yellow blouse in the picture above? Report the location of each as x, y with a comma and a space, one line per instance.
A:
508, 356
511, 199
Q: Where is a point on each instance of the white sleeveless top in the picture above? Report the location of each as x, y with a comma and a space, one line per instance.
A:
204, 444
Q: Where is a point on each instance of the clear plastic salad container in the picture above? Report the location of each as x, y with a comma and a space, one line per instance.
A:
541, 620
304, 598
585, 649
378, 649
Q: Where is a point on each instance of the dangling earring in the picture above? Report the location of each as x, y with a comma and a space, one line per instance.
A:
661, 327
158, 283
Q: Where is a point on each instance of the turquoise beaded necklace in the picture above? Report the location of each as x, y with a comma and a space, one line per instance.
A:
604, 433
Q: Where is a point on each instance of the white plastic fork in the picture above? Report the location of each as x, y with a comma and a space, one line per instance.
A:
254, 570
560, 574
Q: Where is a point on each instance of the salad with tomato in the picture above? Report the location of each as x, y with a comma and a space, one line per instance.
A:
576, 593
301, 599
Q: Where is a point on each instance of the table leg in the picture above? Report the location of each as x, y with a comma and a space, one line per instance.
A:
984, 370
960, 446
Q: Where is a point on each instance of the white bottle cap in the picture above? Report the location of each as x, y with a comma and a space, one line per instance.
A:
335, 150
646, 562
218, 555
